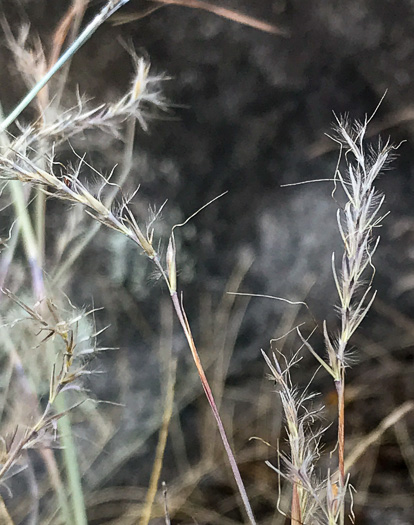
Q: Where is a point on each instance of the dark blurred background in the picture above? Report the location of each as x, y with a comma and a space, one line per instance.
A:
248, 113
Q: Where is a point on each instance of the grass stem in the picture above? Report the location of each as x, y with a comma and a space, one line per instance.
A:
209, 394
162, 441
71, 465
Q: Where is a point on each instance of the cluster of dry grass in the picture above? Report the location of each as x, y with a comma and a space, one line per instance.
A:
50, 354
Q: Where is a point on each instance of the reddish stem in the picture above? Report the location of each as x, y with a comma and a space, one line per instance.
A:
340, 388
296, 518
236, 473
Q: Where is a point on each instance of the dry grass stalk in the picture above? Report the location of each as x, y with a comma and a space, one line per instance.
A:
357, 221
221, 11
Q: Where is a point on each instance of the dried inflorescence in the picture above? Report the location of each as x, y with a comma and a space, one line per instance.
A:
69, 187
21, 161
70, 364
303, 442
357, 220
139, 102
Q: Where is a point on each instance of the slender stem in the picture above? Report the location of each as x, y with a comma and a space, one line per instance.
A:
295, 508
71, 464
33, 493
40, 224
166, 513
40, 209
8, 254
126, 161
236, 473
75, 15
162, 441
340, 388
179, 310
29, 237
57, 485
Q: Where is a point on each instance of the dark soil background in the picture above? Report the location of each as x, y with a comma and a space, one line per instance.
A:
248, 113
